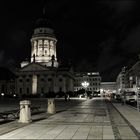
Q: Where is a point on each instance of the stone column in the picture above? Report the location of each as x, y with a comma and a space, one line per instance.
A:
34, 84
49, 49
51, 106
25, 112
43, 47
55, 50
37, 48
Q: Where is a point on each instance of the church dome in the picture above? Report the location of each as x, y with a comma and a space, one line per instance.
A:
43, 23
43, 27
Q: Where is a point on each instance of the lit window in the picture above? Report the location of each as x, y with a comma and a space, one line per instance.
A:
46, 43
40, 43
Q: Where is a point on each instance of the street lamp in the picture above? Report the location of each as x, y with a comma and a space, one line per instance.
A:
14, 95
138, 89
101, 91
85, 84
2, 94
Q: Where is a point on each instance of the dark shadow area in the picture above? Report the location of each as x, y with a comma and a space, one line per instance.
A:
60, 111
39, 119
5, 121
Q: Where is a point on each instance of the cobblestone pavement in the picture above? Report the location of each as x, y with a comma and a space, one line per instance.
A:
90, 119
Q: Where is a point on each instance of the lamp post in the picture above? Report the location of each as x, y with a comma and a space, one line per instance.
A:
138, 89
2, 95
101, 92
137, 92
85, 84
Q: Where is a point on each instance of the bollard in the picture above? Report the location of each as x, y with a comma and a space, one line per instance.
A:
25, 112
51, 106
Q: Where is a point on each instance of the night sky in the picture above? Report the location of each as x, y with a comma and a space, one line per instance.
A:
98, 35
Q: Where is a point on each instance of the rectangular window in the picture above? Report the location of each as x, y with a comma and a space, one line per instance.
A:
27, 90
20, 90
60, 80
42, 80
42, 90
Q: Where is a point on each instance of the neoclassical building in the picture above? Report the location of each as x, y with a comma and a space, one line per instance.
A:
43, 74
93, 78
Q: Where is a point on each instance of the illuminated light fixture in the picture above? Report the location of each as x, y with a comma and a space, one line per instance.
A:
130, 78
101, 90
2, 94
14, 95
85, 84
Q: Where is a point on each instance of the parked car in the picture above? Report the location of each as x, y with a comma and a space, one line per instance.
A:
130, 96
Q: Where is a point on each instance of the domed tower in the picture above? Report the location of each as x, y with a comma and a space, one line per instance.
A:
43, 43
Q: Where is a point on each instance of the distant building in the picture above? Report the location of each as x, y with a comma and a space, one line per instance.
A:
43, 74
120, 81
132, 76
93, 78
129, 78
108, 87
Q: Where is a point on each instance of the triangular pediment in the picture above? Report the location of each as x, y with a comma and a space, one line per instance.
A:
34, 67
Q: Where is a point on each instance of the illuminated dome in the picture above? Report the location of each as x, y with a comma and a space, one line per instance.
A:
44, 43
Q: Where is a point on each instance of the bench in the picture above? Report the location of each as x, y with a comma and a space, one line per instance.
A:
15, 113
6, 114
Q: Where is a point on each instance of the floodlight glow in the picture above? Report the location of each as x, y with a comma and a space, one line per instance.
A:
101, 90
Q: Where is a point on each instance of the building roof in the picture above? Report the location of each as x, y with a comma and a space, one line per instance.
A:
87, 74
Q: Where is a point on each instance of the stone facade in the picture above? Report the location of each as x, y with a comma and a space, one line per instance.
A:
38, 79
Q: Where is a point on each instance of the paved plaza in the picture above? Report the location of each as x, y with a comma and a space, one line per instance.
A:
79, 119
